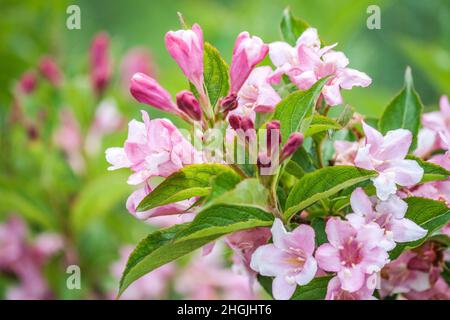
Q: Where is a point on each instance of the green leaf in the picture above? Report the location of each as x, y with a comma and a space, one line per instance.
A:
191, 181
294, 112
292, 27
210, 224
404, 111
216, 79
346, 115
315, 290
432, 172
300, 163
321, 184
319, 228
321, 123
429, 214
222, 183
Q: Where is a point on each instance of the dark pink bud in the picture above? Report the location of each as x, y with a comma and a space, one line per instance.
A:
294, 141
229, 103
50, 70
27, 82
273, 129
100, 62
247, 124
235, 121
187, 103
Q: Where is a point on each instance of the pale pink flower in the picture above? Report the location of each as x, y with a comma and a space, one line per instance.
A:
335, 292
50, 70
307, 63
247, 53
352, 253
386, 155
345, 152
426, 142
439, 291
171, 209
153, 148
147, 90
154, 285
136, 60
289, 259
186, 48
100, 62
257, 93
389, 215
438, 120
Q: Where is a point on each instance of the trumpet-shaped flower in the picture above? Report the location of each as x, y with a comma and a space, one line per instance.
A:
386, 154
308, 62
186, 48
389, 215
335, 291
289, 259
153, 148
247, 53
352, 253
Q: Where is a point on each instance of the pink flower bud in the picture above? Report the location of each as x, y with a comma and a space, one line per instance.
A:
147, 90
186, 48
273, 129
235, 121
50, 70
247, 53
27, 82
229, 103
187, 103
294, 141
100, 62
136, 60
247, 124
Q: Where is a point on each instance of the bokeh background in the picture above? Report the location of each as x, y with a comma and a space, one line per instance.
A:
88, 209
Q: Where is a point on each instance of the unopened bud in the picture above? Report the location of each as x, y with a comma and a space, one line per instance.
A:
294, 141
235, 121
27, 82
229, 103
187, 103
247, 124
50, 70
273, 130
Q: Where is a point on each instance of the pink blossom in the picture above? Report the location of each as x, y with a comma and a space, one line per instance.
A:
439, 291
289, 259
154, 285
247, 53
50, 70
171, 209
307, 63
147, 90
257, 93
426, 142
100, 62
136, 60
153, 148
28, 82
386, 155
335, 292
186, 48
438, 120
352, 253
345, 152
389, 215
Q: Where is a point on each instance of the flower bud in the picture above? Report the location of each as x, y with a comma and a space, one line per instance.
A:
27, 82
235, 121
247, 124
294, 141
187, 103
273, 128
50, 70
229, 103
100, 62
147, 90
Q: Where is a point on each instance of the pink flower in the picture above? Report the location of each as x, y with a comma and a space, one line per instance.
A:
289, 259
27, 82
438, 120
153, 148
154, 285
387, 155
147, 90
335, 292
137, 196
307, 63
100, 62
345, 152
50, 70
439, 291
247, 53
136, 60
186, 48
389, 215
244, 244
257, 93
427, 142
352, 253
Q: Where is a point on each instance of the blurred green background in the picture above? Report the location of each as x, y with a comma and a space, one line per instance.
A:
38, 184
